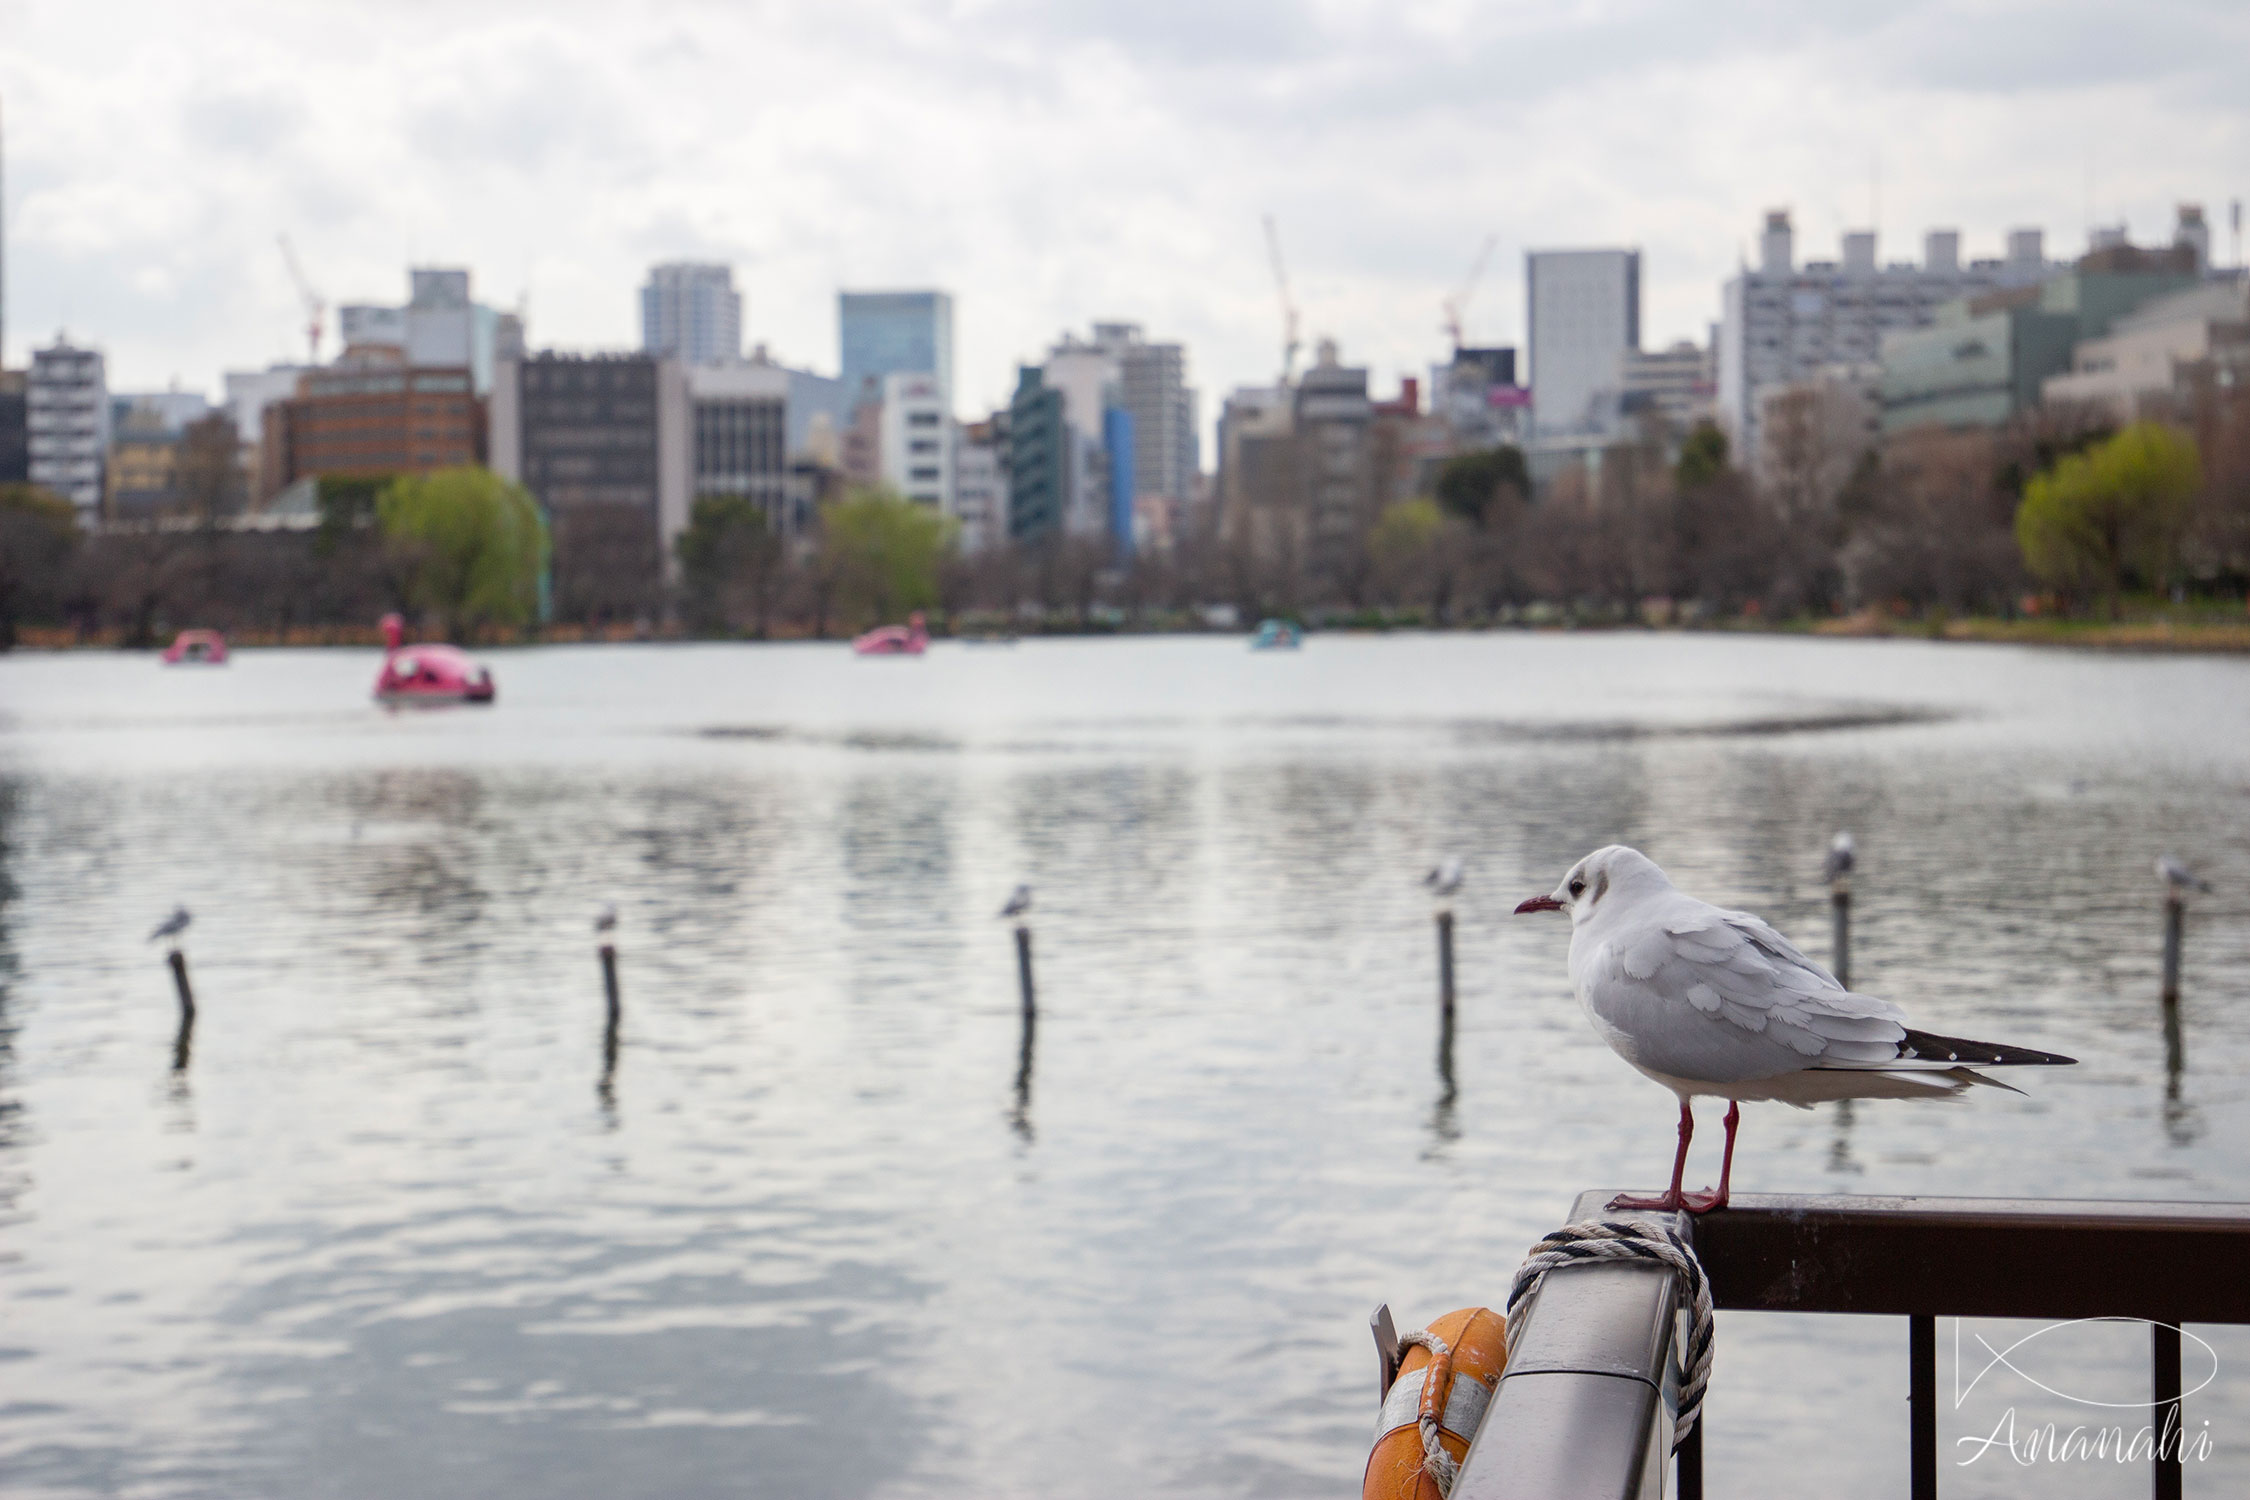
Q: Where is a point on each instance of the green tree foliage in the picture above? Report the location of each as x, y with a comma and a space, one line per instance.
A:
1703, 456
38, 532
473, 546
1469, 485
730, 564
2112, 514
887, 552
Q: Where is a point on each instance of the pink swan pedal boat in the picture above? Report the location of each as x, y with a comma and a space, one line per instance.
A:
428, 674
895, 640
197, 648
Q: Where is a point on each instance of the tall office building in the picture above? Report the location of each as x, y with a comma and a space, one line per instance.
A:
693, 313
1583, 315
1784, 324
896, 333
607, 447
1152, 386
66, 422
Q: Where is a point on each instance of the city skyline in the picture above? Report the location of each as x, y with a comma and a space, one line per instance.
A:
1052, 166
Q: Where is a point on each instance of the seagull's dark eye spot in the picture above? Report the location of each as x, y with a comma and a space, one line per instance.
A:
1578, 888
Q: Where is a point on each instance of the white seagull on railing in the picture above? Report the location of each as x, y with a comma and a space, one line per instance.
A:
2177, 877
1714, 1002
1841, 854
173, 925
1444, 879
1019, 902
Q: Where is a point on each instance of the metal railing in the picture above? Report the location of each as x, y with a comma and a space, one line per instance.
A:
1585, 1404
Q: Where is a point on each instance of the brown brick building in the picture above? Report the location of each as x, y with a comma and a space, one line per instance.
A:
373, 416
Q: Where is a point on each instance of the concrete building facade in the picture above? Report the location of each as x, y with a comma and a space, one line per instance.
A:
2147, 352
981, 460
66, 425
1582, 315
441, 325
916, 440
1783, 323
739, 431
692, 312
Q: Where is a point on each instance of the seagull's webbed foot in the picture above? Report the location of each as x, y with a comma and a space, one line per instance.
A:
1671, 1202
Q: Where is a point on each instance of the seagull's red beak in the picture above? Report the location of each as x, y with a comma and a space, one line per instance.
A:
1539, 903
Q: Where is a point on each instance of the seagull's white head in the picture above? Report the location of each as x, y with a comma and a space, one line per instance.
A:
1602, 880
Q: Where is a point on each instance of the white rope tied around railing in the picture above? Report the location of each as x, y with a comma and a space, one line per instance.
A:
1436, 1462
1624, 1239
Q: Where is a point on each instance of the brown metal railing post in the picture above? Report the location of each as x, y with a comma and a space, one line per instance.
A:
1921, 1422
2164, 1341
1688, 1481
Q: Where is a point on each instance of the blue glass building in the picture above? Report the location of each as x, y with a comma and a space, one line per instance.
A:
1117, 437
896, 333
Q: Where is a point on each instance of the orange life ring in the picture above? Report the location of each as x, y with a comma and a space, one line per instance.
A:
1445, 1380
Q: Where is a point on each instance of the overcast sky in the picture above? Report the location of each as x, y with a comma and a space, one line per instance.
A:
1053, 164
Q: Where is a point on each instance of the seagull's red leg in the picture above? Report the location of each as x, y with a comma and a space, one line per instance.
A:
1703, 1203
1672, 1201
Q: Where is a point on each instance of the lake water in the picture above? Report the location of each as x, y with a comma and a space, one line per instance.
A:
391, 1232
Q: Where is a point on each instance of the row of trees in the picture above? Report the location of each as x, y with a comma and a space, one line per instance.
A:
1961, 521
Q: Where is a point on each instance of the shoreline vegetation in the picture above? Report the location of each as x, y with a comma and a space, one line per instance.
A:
2195, 628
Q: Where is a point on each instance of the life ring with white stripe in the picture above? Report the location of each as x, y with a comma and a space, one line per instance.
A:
1435, 1404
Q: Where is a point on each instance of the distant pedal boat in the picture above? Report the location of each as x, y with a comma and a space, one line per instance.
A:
203, 648
909, 639
428, 674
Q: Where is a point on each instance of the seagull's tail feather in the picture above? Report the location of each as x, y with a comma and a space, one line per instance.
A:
1927, 1047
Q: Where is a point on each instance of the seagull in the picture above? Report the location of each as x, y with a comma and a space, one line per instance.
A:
1019, 902
1444, 879
2177, 877
1715, 1002
173, 925
606, 919
1840, 857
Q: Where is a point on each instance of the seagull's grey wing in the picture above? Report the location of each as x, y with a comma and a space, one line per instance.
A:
1720, 996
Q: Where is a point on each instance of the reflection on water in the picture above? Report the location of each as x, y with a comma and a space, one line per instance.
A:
850, 1213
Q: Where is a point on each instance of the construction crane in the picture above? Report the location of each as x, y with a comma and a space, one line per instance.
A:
1288, 305
1455, 304
316, 306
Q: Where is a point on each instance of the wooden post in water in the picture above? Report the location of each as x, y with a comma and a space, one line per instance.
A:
1445, 991
616, 1004
1840, 928
180, 1044
2175, 921
1023, 975
1843, 855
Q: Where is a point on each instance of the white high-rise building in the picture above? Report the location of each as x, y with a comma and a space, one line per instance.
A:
692, 312
980, 485
917, 440
1784, 323
1583, 315
66, 425
440, 327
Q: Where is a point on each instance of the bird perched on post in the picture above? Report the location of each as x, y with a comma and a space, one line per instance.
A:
1019, 903
2178, 878
1841, 853
605, 920
1444, 879
1716, 1003
173, 925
